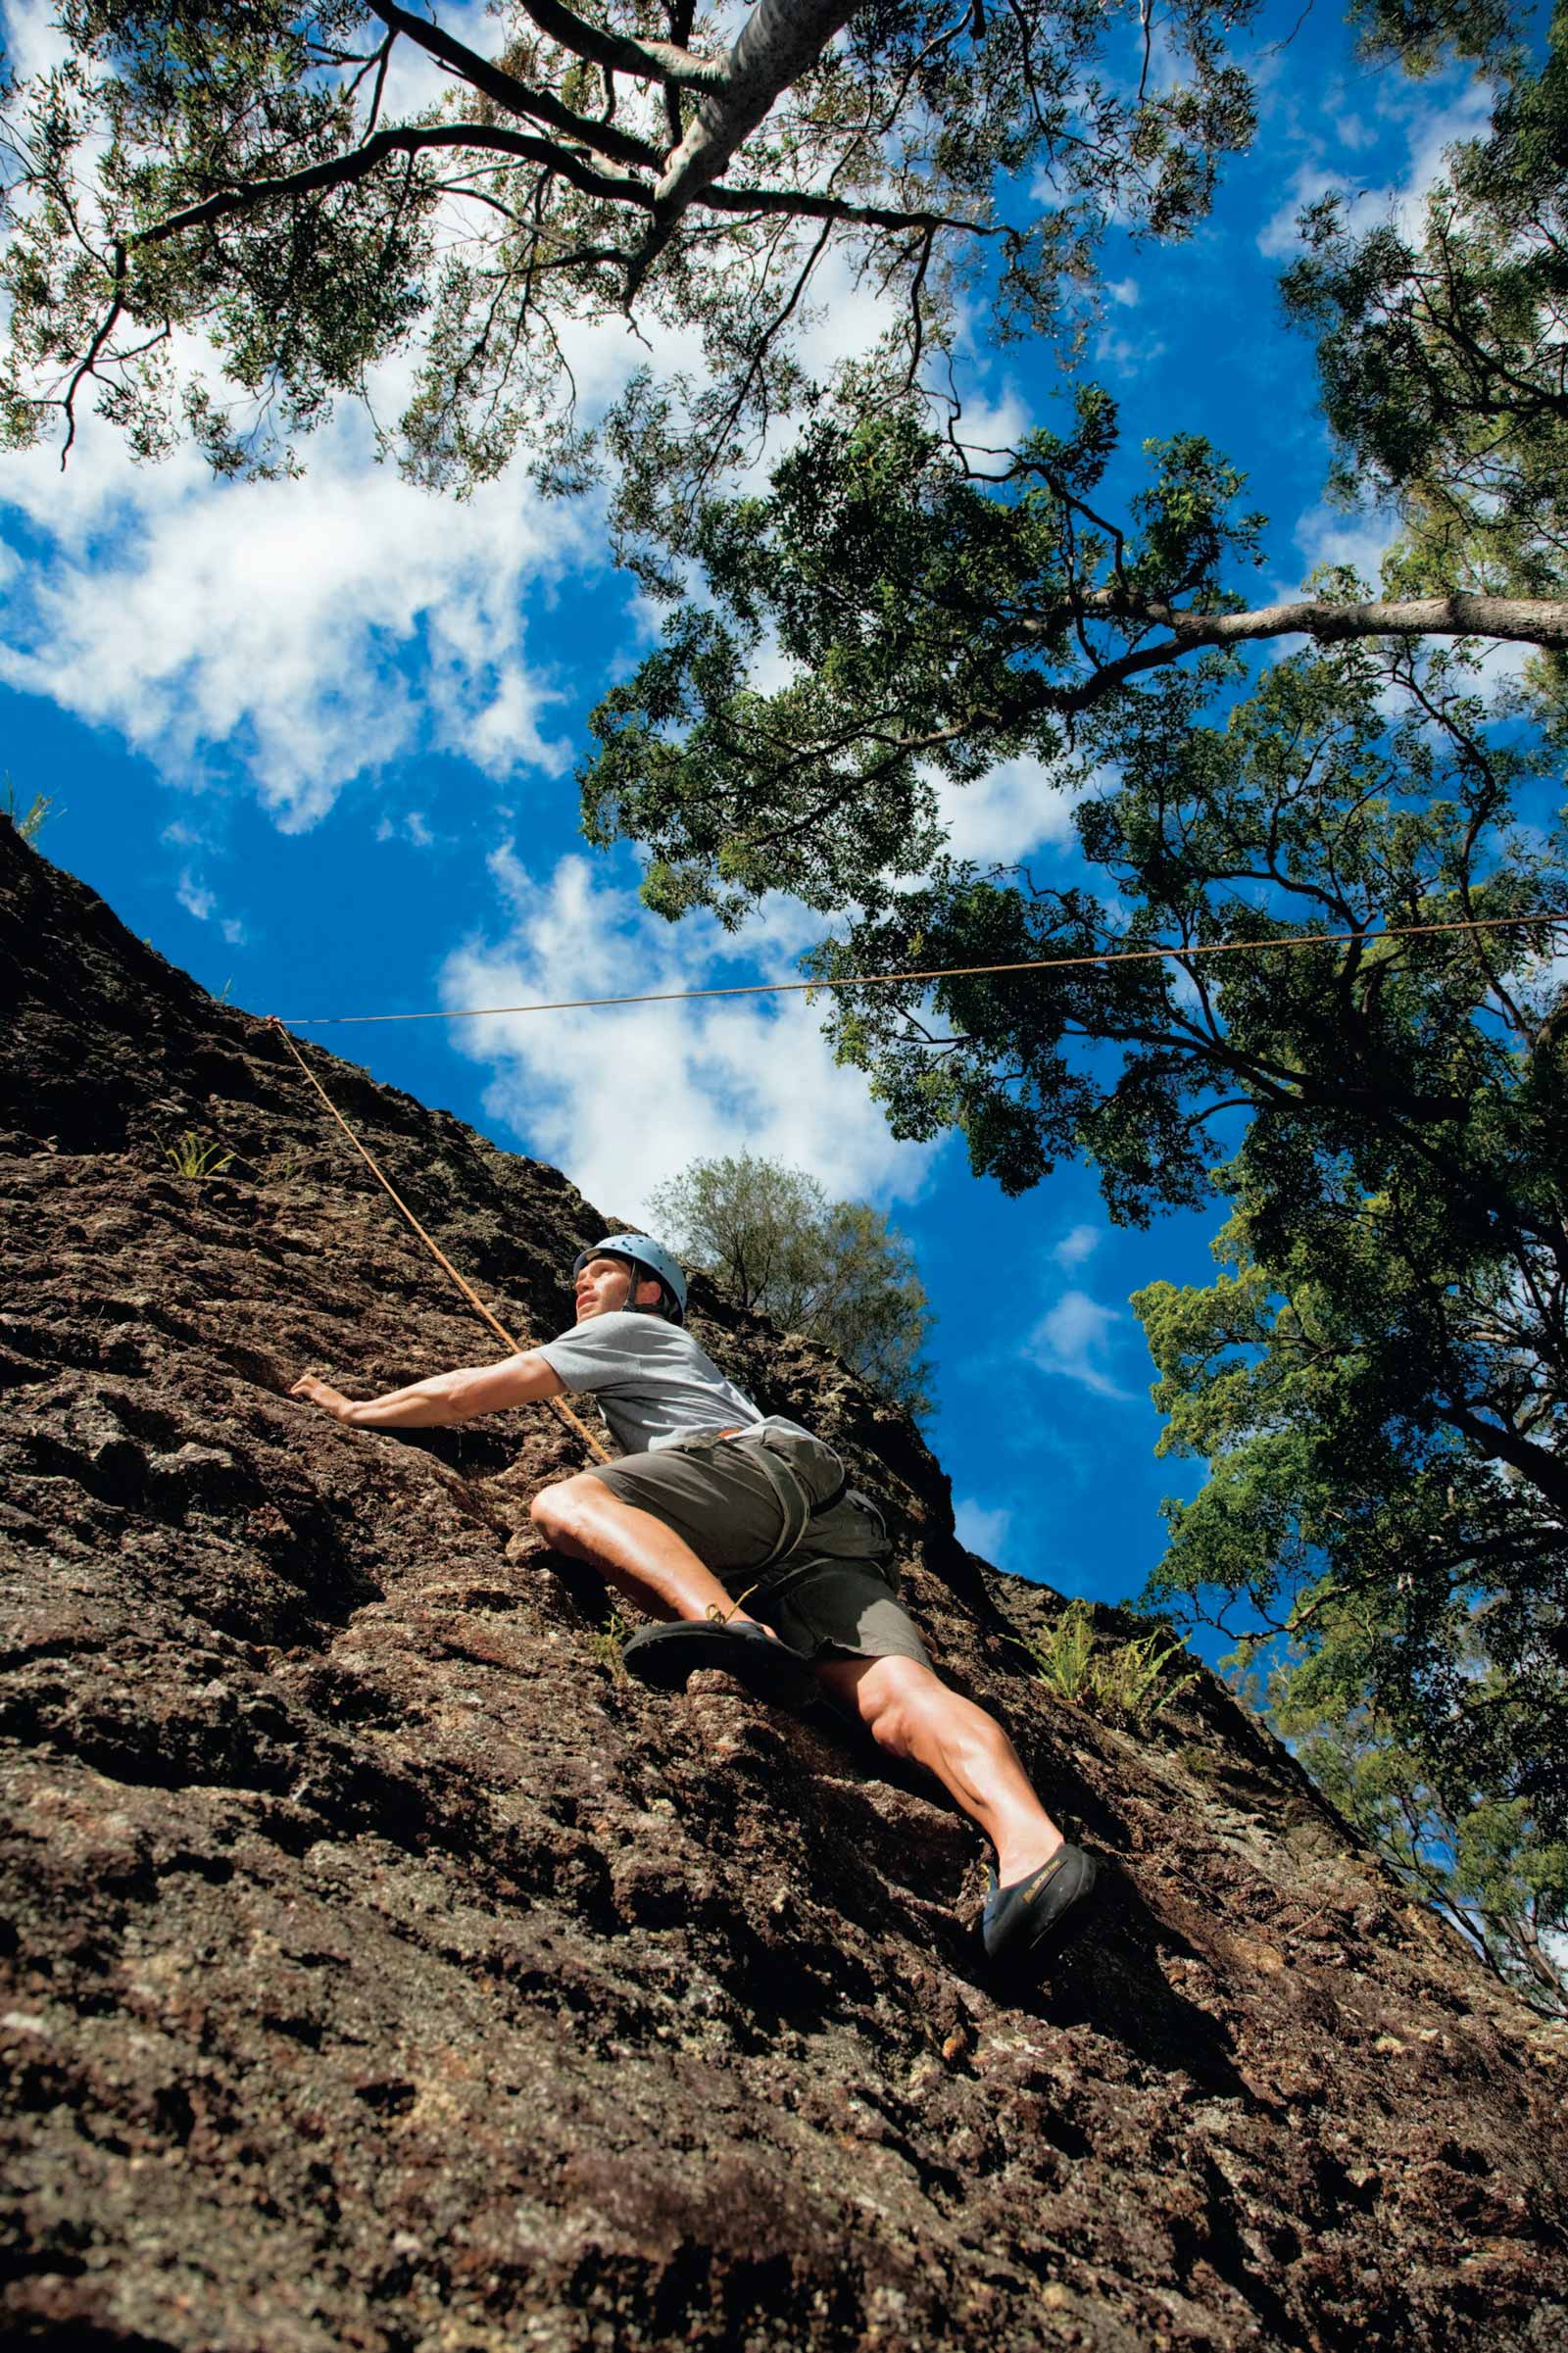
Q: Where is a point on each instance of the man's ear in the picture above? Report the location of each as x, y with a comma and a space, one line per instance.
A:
649, 1294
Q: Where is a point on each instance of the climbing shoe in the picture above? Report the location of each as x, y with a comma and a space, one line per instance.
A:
1022, 1923
665, 1656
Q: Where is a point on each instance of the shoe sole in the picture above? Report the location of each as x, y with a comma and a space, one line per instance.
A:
664, 1657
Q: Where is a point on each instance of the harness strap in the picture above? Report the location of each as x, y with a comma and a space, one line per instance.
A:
795, 1504
793, 1501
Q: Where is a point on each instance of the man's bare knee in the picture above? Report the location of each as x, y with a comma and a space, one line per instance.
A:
893, 1696
561, 1508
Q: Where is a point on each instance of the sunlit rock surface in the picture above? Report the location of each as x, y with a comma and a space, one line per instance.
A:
380, 1971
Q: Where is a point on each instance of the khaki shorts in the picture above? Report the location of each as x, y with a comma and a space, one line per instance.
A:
832, 1595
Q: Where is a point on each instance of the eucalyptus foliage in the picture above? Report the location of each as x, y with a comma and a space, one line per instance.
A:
1443, 355
225, 219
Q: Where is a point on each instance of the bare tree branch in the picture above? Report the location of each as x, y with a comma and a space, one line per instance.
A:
1513, 620
504, 90
778, 42
338, 170
89, 362
622, 53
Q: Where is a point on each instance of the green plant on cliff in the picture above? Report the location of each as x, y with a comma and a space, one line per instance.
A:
1128, 1682
190, 1157
1481, 1862
606, 1642
29, 821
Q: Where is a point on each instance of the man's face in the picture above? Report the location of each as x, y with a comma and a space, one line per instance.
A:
605, 1283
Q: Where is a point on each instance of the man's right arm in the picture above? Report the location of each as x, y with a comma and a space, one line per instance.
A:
460, 1395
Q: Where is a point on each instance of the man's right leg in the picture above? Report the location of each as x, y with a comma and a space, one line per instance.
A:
632, 1550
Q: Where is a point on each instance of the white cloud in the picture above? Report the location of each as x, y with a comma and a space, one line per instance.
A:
1329, 535
988, 429
626, 1099
195, 897
33, 38
1076, 1244
1005, 815
1076, 1339
304, 631
1431, 131
200, 901
1128, 355
1123, 290
982, 1528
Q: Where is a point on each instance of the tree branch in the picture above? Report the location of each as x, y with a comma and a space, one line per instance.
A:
504, 90
778, 42
623, 53
1516, 621
1544, 1470
90, 357
339, 170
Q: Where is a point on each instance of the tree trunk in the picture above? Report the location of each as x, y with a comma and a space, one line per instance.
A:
779, 42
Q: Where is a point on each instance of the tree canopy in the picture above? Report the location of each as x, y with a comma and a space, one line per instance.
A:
224, 218
1443, 358
837, 1271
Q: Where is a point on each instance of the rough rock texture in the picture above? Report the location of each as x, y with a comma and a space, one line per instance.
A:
384, 1972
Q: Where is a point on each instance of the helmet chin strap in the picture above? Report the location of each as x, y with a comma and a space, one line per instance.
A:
637, 1277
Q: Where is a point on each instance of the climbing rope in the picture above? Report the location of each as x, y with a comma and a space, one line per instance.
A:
887, 980
562, 1412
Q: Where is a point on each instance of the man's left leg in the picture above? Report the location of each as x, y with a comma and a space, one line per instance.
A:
912, 1712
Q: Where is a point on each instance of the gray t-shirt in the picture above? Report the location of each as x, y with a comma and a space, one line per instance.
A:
652, 1379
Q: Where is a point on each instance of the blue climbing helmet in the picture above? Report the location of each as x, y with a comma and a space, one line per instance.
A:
649, 1259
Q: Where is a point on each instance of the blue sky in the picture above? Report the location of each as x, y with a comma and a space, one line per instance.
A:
315, 739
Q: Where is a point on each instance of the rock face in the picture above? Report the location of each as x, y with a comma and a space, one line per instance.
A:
383, 1970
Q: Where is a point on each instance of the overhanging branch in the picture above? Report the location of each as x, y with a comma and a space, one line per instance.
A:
1515, 620
339, 170
623, 53
504, 90
778, 42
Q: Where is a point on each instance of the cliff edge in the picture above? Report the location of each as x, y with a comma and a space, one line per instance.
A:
381, 1970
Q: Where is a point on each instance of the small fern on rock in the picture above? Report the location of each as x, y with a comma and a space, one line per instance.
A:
191, 1157
1124, 1683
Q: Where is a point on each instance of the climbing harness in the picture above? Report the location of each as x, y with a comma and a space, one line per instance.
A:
562, 1413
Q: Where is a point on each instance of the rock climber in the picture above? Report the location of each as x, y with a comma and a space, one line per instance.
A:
708, 1488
